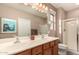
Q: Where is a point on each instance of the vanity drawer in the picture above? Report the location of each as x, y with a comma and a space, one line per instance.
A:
46, 46
47, 52
56, 42
52, 43
37, 50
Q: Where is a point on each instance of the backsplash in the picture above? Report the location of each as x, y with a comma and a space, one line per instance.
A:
7, 35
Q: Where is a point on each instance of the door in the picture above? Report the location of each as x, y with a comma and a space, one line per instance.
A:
24, 27
70, 34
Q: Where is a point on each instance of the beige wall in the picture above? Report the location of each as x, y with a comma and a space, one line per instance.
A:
14, 14
61, 15
73, 13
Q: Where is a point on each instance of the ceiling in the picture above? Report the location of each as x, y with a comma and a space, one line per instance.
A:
24, 8
28, 9
66, 6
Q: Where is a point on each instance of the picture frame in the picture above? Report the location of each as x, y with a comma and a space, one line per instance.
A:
8, 25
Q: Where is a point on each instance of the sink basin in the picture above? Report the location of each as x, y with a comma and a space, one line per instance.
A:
6, 42
4, 45
11, 41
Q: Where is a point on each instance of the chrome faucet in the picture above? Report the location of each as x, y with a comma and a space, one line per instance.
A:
17, 40
42, 35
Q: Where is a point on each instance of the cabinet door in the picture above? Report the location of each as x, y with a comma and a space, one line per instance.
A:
39, 53
54, 47
55, 50
46, 46
47, 52
52, 44
37, 50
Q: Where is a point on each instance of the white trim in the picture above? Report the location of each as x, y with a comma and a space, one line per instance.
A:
52, 12
70, 19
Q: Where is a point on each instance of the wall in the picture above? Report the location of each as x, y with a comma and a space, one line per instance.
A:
61, 15
14, 14
73, 13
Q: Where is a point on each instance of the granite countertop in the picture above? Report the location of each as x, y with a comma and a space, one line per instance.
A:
10, 47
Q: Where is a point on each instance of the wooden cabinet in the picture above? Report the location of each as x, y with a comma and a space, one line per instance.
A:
52, 44
46, 46
26, 52
54, 47
55, 50
37, 50
50, 48
47, 52
40, 53
46, 49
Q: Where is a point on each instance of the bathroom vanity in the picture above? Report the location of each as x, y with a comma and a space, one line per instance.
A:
49, 48
46, 46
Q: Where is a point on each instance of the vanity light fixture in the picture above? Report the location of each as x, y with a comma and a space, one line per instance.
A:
37, 6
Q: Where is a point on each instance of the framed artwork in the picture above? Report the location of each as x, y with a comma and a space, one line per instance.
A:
8, 25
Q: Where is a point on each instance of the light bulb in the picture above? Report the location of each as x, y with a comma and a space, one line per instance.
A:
46, 8
40, 5
36, 3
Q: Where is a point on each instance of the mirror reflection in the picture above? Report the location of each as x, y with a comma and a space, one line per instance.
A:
31, 19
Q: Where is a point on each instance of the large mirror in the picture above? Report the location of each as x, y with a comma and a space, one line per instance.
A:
32, 18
